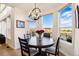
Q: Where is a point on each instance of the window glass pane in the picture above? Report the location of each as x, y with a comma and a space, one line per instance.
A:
66, 17
66, 23
48, 21
32, 24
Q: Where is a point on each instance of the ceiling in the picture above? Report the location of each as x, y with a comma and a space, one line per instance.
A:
45, 7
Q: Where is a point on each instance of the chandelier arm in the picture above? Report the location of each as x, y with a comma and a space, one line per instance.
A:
35, 9
36, 13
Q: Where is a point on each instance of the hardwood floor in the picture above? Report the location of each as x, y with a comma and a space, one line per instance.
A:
5, 51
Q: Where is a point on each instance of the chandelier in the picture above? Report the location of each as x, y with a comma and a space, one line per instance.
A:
35, 14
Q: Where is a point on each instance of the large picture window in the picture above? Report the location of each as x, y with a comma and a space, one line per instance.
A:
48, 21
66, 23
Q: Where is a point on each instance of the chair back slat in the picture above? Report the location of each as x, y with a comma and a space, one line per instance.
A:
24, 46
27, 36
57, 47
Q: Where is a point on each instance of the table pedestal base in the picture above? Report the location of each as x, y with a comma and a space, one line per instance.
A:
41, 53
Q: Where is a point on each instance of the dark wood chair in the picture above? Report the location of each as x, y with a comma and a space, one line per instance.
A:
53, 50
27, 36
47, 35
25, 48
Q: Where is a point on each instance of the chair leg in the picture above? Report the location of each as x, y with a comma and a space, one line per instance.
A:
22, 53
55, 54
58, 52
29, 54
48, 54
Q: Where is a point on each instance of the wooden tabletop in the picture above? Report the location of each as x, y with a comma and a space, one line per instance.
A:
43, 43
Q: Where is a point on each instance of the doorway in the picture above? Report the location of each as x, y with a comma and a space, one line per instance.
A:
5, 30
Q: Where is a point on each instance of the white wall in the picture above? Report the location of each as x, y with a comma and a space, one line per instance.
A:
18, 32
66, 48
55, 25
76, 43
10, 29
6, 12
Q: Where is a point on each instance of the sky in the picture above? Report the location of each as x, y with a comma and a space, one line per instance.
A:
32, 24
48, 21
66, 17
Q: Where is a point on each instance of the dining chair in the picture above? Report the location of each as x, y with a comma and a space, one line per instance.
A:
27, 36
53, 50
47, 35
25, 48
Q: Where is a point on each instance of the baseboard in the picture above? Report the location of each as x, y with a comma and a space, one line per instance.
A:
9, 46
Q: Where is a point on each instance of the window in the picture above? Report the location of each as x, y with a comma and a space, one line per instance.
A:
48, 21
66, 17
32, 27
66, 23
32, 24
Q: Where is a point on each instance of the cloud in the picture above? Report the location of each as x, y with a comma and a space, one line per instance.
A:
66, 14
67, 22
66, 19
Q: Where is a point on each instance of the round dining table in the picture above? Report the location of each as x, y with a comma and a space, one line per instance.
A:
41, 43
